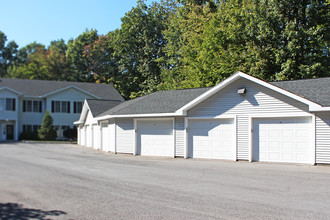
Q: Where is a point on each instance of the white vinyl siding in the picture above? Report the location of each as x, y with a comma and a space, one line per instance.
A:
242, 137
5, 114
71, 95
257, 100
323, 138
125, 135
179, 136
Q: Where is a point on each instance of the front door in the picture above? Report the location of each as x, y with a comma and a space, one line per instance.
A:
10, 132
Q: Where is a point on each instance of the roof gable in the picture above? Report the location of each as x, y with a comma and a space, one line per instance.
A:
178, 102
94, 107
312, 105
70, 87
11, 90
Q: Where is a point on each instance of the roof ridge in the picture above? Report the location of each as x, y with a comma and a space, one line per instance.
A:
182, 89
114, 100
294, 80
53, 81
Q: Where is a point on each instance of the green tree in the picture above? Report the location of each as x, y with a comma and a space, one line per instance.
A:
57, 66
138, 45
35, 61
31, 64
47, 131
103, 62
272, 40
80, 64
8, 54
182, 67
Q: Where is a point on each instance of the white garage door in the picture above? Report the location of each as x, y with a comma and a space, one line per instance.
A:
211, 138
105, 137
89, 136
283, 140
155, 137
96, 137
82, 136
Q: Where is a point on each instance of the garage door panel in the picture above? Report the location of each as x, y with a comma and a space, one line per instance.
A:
89, 136
211, 138
282, 140
155, 137
105, 137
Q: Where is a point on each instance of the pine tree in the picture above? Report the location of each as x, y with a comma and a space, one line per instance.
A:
47, 131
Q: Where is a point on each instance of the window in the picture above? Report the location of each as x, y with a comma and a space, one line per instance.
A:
10, 104
77, 107
65, 127
31, 128
57, 106
61, 106
32, 106
36, 128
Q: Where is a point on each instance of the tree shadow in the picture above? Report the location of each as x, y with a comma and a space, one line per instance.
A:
14, 211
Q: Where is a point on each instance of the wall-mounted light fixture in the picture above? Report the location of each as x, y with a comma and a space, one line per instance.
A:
241, 91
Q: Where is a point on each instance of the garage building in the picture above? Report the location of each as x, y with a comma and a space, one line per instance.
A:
242, 118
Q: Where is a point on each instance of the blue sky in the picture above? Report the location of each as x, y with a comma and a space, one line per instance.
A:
26, 21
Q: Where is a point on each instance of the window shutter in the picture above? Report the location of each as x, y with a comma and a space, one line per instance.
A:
68, 107
40, 106
14, 104
74, 107
24, 105
53, 106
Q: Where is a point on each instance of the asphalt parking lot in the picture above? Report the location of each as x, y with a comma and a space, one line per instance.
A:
63, 181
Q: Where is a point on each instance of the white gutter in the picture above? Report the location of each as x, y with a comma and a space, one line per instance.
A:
139, 116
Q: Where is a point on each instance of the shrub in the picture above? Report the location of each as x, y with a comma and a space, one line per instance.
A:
28, 135
47, 131
70, 133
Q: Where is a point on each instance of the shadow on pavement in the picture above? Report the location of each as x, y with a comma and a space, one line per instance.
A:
11, 211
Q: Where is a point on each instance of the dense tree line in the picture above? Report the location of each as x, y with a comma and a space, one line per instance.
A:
186, 43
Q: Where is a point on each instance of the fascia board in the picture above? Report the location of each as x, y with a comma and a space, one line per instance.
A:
138, 116
83, 113
11, 90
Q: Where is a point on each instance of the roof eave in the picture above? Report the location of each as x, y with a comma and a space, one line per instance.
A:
106, 117
319, 109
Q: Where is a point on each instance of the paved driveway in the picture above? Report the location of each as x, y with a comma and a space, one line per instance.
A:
43, 181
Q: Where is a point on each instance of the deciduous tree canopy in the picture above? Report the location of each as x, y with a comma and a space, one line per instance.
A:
186, 43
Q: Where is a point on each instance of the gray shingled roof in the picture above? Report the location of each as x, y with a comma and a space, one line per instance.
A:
158, 102
43, 87
315, 90
98, 106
